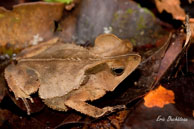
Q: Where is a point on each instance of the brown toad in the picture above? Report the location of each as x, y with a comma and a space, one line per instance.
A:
68, 75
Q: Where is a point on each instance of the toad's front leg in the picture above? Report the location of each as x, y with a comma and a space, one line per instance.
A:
23, 81
77, 102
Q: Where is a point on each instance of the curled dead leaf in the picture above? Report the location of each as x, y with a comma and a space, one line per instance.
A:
173, 7
159, 97
170, 6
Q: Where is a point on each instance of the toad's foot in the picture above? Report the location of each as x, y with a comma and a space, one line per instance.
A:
20, 94
24, 98
114, 108
26, 105
91, 110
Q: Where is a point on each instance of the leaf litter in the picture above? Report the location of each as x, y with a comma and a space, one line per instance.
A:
157, 66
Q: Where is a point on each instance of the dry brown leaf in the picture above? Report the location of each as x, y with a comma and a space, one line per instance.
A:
170, 6
159, 97
29, 22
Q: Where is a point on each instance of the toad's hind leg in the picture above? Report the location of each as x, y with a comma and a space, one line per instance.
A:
77, 102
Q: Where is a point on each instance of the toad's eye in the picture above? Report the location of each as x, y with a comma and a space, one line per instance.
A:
117, 71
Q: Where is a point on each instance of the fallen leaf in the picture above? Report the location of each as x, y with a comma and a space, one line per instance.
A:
159, 97
170, 6
29, 22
